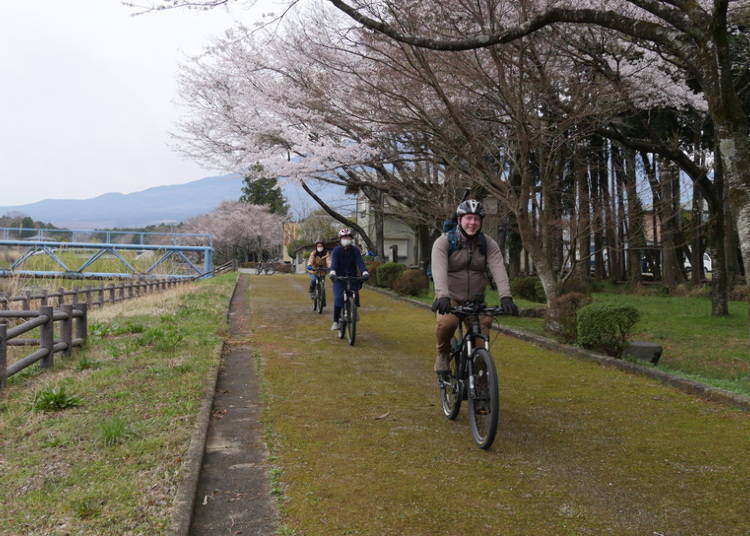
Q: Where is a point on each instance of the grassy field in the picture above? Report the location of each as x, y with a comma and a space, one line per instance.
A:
361, 447
709, 349
93, 446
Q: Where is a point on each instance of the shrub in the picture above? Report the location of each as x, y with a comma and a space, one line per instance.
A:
373, 269
412, 283
605, 327
560, 318
578, 285
388, 273
528, 288
739, 293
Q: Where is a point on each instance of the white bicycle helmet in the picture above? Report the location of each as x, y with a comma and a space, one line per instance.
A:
345, 232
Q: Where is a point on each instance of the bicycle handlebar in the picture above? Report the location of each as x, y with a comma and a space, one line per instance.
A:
349, 277
474, 309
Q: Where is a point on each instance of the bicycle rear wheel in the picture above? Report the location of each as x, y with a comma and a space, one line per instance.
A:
484, 403
351, 328
450, 391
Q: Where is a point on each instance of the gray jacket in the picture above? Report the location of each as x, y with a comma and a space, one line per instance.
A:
464, 274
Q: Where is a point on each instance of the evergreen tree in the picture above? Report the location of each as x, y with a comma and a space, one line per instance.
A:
260, 190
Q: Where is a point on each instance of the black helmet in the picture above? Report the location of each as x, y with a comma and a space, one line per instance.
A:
470, 206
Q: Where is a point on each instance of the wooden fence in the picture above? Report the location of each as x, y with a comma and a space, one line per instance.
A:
71, 314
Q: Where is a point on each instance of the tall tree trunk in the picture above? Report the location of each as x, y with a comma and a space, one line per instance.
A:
669, 177
584, 219
597, 168
696, 249
636, 233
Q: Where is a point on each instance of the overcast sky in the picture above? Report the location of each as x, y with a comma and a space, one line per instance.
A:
87, 95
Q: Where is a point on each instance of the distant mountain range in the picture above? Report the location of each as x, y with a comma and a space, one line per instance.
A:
161, 204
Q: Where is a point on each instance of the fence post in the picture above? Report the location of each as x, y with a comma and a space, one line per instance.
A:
82, 323
112, 293
47, 337
101, 296
66, 329
130, 289
3, 356
74, 297
62, 296
45, 297
88, 294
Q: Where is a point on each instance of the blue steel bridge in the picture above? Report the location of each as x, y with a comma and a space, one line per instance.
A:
132, 254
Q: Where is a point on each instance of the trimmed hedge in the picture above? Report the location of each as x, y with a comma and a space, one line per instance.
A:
529, 288
412, 283
388, 273
372, 268
605, 327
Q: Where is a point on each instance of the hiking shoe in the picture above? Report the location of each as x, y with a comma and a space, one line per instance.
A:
442, 365
336, 326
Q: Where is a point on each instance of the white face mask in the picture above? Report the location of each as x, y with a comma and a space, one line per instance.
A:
346, 242
320, 250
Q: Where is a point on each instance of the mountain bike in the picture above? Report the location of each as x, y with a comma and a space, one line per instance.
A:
473, 376
319, 291
349, 314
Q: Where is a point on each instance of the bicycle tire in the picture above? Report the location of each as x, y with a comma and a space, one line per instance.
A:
351, 330
321, 298
450, 395
484, 403
342, 319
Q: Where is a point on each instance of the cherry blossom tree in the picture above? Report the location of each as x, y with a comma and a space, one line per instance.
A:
691, 39
241, 231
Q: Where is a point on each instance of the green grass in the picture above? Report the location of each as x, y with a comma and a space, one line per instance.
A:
712, 350
110, 465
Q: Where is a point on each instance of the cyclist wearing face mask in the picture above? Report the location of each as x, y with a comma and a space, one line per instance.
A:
460, 261
318, 262
346, 261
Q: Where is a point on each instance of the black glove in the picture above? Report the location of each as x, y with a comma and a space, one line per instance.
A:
365, 275
508, 307
441, 305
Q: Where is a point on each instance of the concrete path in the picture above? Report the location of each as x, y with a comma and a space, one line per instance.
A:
233, 496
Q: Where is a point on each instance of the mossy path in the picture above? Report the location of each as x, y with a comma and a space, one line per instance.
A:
363, 448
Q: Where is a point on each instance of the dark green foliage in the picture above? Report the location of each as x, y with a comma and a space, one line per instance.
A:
372, 268
265, 191
528, 288
411, 283
560, 316
295, 244
54, 398
605, 327
388, 273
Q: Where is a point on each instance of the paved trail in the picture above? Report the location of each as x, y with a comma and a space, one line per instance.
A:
233, 496
581, 449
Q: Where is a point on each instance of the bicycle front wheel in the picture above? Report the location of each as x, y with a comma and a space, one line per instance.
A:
344, 320
351, 327
484, 403
450, 391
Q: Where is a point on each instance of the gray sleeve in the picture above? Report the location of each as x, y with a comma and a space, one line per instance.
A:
439, 265
496, 264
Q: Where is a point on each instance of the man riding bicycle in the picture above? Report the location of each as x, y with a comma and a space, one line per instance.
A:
346, 261
317, 264
460, 261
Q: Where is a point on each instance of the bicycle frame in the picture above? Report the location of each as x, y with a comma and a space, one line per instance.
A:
465, 352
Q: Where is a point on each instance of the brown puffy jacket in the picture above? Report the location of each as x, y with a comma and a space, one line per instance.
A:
319, 261
463, 275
